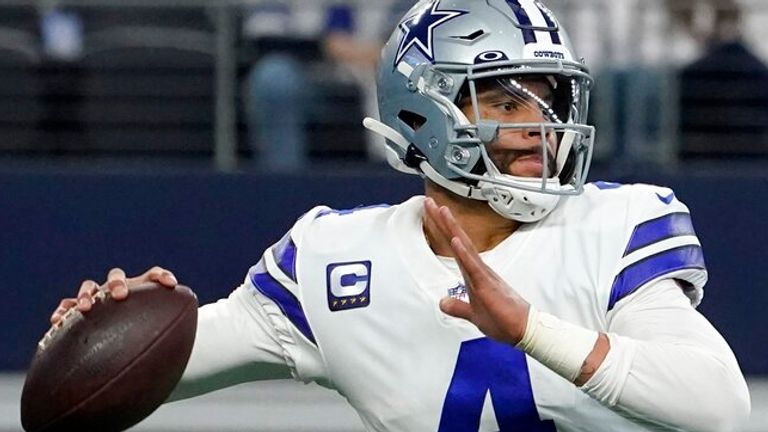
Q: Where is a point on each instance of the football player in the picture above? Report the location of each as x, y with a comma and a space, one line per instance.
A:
512, 296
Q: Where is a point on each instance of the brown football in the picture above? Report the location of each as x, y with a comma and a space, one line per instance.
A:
111, 367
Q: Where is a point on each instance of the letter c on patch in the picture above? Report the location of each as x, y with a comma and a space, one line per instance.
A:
349, 279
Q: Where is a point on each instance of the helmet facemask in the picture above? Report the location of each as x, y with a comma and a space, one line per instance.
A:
533, 144
533, 117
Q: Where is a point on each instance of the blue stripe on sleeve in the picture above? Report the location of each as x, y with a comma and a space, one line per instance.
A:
661, 228
284, 299
284, 253
652, 267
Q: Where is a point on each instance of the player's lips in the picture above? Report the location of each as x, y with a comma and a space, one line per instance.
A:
527, 166
524, 162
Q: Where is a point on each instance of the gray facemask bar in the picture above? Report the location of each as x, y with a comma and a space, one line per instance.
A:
581, 168
482, 132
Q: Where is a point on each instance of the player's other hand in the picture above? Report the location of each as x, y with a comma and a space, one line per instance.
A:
494, 307
117, 285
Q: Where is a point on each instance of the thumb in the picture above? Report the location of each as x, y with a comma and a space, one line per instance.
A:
456, 308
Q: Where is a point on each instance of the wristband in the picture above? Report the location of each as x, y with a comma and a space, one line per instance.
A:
558, 345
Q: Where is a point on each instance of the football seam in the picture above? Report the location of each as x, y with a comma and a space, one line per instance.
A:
98, 392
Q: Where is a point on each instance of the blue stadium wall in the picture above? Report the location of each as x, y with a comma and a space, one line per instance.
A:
209, 228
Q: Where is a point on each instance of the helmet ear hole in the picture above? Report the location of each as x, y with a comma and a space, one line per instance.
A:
411, 119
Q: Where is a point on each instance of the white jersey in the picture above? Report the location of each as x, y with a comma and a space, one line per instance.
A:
350, 299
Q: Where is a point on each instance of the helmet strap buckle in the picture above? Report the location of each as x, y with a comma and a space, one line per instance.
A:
414, 157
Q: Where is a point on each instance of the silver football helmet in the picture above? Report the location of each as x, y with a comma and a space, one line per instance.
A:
487, 99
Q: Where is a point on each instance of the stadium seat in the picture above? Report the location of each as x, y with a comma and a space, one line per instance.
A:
20, 108
145, 82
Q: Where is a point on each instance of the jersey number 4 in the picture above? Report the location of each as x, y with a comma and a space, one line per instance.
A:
483, 367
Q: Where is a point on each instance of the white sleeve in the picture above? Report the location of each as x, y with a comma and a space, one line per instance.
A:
260, 331
668, 365
235, 343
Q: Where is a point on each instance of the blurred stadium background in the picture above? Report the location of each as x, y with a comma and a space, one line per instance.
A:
132, 134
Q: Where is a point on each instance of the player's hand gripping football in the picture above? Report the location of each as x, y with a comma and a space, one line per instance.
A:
117, 285
494, 307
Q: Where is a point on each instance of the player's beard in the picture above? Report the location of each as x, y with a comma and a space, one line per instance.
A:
504, 160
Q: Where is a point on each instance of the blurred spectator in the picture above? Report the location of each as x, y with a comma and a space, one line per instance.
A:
282, 97
62, 80
707, 21
353, 41
277, 87
62, 34
650, 45
724, 94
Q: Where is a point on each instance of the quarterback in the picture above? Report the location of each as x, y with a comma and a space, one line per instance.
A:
513, 295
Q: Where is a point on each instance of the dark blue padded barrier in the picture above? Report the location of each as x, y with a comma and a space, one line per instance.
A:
210, 228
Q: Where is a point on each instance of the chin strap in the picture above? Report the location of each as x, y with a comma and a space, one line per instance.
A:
455, 187
518, 205
393, 136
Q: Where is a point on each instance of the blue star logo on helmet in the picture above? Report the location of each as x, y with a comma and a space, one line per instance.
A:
418, 29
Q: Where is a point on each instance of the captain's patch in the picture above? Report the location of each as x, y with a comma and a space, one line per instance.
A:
348, 285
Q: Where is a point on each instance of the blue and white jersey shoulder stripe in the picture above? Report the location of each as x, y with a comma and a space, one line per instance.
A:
343, 212
284, 255
275, 276
664, 227
280, 286
661, 245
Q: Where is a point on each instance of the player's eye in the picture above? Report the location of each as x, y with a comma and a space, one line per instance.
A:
508, 106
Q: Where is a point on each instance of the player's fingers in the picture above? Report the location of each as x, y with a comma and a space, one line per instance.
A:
87, 288
476, 275
85, 295
168, 280
442, 223
456, 308
152, 274
117, 284
432, 211
455, 230
162, 276
481, 273
63, 307
116, 274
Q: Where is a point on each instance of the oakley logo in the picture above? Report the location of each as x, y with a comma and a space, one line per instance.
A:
491, 56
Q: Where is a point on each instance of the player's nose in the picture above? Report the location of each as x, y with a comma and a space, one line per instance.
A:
535, 115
